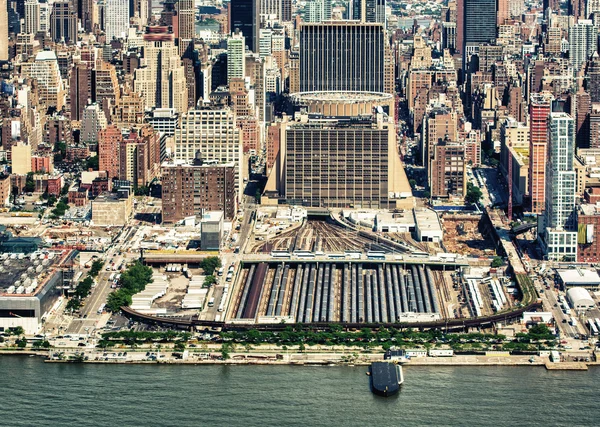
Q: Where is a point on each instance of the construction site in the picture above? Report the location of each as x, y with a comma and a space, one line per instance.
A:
467, 234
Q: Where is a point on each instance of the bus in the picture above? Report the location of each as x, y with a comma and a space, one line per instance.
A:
376, 255
280, 254
211, 302
101, 309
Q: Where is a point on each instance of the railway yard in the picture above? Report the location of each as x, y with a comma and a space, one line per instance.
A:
329, 237
356, 292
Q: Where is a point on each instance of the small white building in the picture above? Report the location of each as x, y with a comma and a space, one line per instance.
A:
428, 226
580, 299
579, 277
402, 222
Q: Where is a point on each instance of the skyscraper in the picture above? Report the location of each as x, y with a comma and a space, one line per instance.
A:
186, 16
342, 56
236, 61
557, 236
162, 81
3, 31
368, 11
583, 42
539, 109
32, 17
63, 22
116, 13
245, 16
479, 21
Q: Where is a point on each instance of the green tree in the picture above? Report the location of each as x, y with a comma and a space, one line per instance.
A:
65, 190
210, 264
118, 299
413, 183
142, 191
179, 346
497, 262
209, 281
17, 330
257, 196
96, 267
92, 163
21, 343
226, 351
73, 304
29, 183
474, 194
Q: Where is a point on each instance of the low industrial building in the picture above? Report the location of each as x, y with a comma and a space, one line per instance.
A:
397, 222
579, 277
30, 285
580, 299
428, 227
109, 209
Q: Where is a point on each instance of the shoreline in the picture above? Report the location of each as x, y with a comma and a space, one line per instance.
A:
322, 359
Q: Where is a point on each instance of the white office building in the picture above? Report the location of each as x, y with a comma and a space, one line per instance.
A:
116, 19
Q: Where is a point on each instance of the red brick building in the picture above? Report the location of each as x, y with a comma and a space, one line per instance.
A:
588, 236
43, 164
78, 197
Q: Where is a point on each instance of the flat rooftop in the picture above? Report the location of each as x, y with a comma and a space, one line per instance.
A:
579, 277
25, 272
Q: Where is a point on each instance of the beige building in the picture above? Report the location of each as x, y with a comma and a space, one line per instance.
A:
108, 209
161, 79
44, 69
21, 158
3, 30
215, 134
339, 162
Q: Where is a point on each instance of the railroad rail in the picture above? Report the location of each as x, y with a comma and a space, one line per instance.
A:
443, 324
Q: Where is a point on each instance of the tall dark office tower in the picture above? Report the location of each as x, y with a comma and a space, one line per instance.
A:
342, 56
63, 22
286, 10
368, 10
245, 16
479, 21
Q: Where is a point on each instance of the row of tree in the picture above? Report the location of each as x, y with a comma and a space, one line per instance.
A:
84, 287
132, 281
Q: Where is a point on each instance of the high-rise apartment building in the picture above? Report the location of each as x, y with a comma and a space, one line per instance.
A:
116, 19
3, 30
342, 56
63, 22
236, 56
109, 144
93, 121
191, 189
556, 234
244, 15
539, 110
447, 170
32, 17
215, 134
80, 89
583, 42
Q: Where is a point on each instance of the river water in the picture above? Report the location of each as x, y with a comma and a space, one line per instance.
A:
42, 394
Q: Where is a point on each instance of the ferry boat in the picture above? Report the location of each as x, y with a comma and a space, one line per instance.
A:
386, 378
